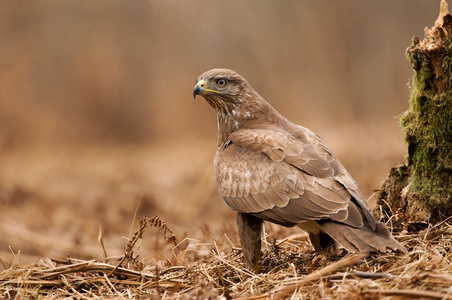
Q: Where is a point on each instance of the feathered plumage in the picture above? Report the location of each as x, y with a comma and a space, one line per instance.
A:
268, 168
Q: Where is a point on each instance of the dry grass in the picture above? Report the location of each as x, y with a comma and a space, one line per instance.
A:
193, 269
65, 202
58, 201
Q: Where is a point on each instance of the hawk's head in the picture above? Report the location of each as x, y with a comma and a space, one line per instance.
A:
227, 92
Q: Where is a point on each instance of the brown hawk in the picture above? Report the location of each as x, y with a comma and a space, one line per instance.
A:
268, 168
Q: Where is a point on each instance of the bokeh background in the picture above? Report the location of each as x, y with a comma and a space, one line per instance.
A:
98, 122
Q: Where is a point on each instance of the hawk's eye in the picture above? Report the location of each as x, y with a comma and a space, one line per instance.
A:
221, 82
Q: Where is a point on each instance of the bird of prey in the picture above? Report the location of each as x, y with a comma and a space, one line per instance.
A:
268, 168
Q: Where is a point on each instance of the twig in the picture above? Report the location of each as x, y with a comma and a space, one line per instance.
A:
101, 242
135, 215
361, 275
410, 294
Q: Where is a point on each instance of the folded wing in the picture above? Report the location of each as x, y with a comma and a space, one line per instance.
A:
287, 180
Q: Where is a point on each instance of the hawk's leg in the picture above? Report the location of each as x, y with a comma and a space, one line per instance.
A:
323, 243
250, 228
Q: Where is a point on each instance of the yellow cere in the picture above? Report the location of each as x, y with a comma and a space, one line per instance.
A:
202, 84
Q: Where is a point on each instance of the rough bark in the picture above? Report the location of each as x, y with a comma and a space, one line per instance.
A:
421, 189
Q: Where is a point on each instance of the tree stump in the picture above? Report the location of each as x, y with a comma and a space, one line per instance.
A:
420, 190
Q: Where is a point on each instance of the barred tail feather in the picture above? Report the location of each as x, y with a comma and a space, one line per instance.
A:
363, 238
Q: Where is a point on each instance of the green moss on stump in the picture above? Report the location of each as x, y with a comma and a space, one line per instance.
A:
422, 188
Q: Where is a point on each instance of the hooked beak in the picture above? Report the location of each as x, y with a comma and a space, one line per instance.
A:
200, 89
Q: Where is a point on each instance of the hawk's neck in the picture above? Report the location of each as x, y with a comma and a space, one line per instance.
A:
264, 116
226, 126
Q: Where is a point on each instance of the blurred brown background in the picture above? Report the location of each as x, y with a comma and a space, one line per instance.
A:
96, 106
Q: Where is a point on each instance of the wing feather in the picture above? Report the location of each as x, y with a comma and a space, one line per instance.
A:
285, 179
